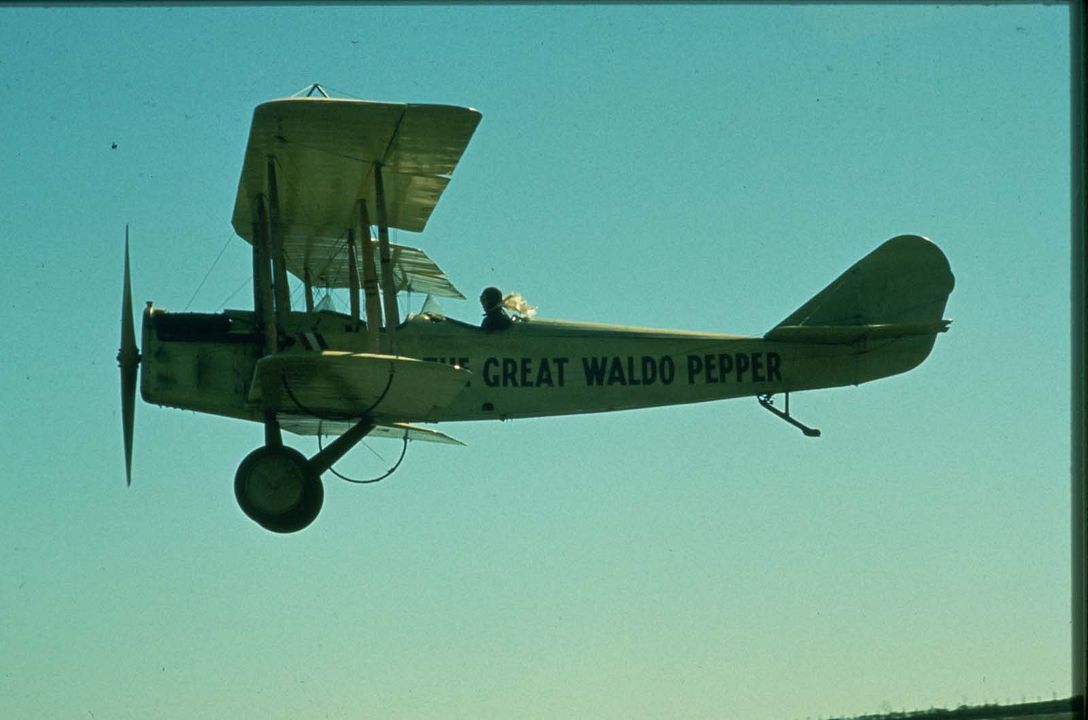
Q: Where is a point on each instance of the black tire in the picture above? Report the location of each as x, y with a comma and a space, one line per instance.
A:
277, 488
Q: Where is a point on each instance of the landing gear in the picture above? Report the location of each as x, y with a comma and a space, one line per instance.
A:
279, 489
767, 401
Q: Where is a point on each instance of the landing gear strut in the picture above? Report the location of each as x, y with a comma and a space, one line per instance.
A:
767, 401
279, 489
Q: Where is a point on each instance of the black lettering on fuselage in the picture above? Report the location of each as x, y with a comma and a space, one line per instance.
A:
725, 362
615, 373
695, 366
649, 370
628, 370
526, 367
743, 363
509, 372
543, 374
491, 376
710, 369
667, 370
594, 369
560, 367
756, 367
524, 372
773, 363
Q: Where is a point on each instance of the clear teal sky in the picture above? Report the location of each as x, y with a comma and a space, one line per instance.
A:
704, 168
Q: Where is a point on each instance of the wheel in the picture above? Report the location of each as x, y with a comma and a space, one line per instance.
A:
278, 489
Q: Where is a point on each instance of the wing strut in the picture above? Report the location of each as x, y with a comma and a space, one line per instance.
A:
279, 263
309, 294
389, 284
353, 280
370, 283
271, 299
262, 279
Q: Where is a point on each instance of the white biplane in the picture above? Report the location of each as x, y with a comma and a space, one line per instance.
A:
319, 174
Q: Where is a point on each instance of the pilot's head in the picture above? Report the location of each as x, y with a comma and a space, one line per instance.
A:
491, 299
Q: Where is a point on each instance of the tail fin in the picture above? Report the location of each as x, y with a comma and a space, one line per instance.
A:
896, 293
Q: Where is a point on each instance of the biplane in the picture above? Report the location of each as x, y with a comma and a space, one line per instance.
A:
322, 183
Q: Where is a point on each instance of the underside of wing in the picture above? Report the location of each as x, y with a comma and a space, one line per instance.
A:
345, 386
413, 271
309, 425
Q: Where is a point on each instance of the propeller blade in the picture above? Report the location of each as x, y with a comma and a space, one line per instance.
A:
128, 358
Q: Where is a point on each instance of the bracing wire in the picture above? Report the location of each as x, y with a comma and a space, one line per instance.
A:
296, 293
356, 481
342, 93
312, 413
238, 289
208, 274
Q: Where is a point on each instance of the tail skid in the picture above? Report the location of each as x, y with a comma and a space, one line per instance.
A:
767, 401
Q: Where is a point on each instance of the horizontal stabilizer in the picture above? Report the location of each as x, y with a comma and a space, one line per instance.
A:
343, 386
308, 425
849, 334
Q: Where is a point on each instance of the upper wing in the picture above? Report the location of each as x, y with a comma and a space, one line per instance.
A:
343, 385
324, 151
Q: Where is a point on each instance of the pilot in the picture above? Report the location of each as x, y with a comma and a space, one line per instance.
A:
495, 317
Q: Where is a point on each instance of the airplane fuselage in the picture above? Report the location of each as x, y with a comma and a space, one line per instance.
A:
206, 362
